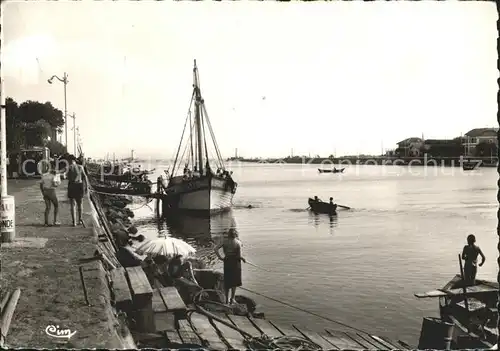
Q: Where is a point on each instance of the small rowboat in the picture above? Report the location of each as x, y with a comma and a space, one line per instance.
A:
469, 166
334, 170
322, 207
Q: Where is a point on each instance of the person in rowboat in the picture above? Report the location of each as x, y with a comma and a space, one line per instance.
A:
232, 263
331, 202
469, 255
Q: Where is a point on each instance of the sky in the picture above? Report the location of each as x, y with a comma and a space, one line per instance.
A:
316, 77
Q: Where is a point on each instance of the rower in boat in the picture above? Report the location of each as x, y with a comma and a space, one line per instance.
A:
469, 255
331, 202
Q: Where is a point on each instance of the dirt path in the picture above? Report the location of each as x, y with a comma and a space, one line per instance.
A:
43, 264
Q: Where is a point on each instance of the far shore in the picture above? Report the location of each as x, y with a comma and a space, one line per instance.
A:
377, 161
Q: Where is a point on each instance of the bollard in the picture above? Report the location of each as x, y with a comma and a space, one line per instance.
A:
7, 218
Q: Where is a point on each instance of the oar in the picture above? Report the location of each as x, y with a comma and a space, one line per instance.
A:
342, 206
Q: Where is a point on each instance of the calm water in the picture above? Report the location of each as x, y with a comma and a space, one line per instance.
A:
402, 236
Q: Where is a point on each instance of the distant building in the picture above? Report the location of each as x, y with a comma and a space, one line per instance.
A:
409, 147
479, 135
443, 147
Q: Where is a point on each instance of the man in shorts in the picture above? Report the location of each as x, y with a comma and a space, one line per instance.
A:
50, 181
76, 188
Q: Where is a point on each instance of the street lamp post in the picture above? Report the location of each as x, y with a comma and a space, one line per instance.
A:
73, 116
63, 80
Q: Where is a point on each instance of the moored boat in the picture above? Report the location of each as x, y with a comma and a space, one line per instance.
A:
470, 310
319, 206
470, 165
334, 170
197, 186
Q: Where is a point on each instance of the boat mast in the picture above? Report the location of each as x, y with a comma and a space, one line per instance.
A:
198, 102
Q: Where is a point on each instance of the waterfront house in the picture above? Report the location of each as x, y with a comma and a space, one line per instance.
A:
409, 147
442, 147
479, 135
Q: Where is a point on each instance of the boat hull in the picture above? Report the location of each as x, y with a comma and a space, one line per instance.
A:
322, 207
206, 195
335, 170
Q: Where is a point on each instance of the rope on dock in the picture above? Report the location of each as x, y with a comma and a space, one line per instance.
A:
304, 310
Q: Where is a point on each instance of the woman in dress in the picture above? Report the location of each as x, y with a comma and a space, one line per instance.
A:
232, 263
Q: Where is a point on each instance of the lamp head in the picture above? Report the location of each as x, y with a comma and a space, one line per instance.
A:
49, 80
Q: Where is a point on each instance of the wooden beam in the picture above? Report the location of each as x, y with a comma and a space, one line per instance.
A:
121, 290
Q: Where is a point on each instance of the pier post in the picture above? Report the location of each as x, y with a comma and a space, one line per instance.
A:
7, 203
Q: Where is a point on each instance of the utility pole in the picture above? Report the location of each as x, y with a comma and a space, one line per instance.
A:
73, 116
7, 203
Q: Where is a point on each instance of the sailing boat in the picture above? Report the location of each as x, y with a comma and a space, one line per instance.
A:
201, 185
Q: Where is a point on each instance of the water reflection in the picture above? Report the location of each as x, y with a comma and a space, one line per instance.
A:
317, 219
201, 232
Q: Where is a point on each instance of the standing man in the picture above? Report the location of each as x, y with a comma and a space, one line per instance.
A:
469, 255
76, 188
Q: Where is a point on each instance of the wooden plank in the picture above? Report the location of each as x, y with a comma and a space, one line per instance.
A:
173, 337
288, 331
376, 344
476, 289
488, 283
157, 301
363, 343
486, 287
187, 334
244, 324
164, 321
388, 344
316, 338
265, 327
172, 299
207, 331
340, 340
121, 290
139, 283
432, 293
394, 345
232, 336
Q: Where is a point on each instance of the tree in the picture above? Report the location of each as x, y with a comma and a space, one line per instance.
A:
486, 149
14, 131
56, 147
31, 124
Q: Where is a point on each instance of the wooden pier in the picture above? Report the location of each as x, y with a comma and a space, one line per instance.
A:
201, 331
162, 320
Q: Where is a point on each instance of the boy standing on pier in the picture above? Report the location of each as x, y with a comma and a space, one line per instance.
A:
76, 188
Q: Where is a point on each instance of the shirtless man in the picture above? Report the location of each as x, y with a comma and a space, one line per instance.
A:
469, 255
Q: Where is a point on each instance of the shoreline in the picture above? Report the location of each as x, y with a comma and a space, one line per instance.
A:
44, 263
376, 161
